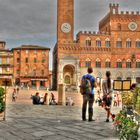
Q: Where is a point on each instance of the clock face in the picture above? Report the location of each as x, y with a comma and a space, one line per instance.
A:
132, 26
66, 27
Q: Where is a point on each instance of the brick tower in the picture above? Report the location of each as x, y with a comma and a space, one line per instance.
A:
65, 20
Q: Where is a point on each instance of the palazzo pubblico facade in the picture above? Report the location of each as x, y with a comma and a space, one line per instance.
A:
115, 47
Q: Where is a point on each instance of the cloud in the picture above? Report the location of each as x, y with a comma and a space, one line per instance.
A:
35, 21
27, 18
31, 21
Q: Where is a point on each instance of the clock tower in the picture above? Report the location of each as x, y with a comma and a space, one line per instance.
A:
65, 21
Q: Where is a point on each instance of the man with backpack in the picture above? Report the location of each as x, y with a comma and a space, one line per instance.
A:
87, 86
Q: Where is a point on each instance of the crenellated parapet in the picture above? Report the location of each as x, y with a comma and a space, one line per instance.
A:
114, 9
92, 33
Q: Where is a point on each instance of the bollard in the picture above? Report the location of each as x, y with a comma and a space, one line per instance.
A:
61, 95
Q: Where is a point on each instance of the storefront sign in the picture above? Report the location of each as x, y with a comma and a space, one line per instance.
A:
122, 85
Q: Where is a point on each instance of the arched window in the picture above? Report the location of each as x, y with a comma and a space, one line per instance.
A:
107, 43
119, 43
107, 63
98, 42
42, 72
119, 27
88, 41
34, 72
137, 43
128, 63
137, 63
88, 63
98, 63
128, 43
119, 63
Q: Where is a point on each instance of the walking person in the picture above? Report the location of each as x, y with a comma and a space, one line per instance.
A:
17, 90
107, 95
14, 96
87, 86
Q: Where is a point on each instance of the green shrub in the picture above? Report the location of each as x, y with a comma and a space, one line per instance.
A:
2, 102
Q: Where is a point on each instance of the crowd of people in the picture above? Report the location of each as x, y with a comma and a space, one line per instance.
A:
105, 96
45, 100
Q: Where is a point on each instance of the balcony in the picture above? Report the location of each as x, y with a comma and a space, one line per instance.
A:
6, 65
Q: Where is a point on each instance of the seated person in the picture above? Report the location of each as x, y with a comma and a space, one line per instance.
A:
36, 99
52, 100
69, 101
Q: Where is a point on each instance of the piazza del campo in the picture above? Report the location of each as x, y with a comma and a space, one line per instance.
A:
25, 71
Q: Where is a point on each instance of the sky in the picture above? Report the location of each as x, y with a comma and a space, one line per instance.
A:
34, 21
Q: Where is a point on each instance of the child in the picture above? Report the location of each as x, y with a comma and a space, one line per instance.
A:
115, 101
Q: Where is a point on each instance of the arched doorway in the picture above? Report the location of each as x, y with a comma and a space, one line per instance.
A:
69, 77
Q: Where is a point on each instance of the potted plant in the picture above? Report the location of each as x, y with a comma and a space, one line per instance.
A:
126, 126
2, 102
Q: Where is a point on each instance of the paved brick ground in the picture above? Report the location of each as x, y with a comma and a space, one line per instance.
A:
25, 121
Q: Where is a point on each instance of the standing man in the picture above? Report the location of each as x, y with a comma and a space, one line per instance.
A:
88, 84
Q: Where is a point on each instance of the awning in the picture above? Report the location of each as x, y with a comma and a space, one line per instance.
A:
39, 79
24, 80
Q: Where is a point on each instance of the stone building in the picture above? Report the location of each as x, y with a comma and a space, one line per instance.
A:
6, 62
31, 66
115, 47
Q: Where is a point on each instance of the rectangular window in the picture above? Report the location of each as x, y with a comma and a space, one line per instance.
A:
137, 64
18, 51
27, 51
7, 60
8, 69
43, 52
128, 64
98, 64
137, 44
18, 72
107, 44
107, 64
18, 60
88, 64
119, 64
26, 60
0, 70
119, 44
43, 60
128, 44
35, 60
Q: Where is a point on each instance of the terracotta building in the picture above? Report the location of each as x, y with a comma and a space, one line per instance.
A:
31, 66
6, 62
115, 47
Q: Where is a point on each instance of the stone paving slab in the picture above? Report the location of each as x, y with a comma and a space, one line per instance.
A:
29, 122
25, 121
